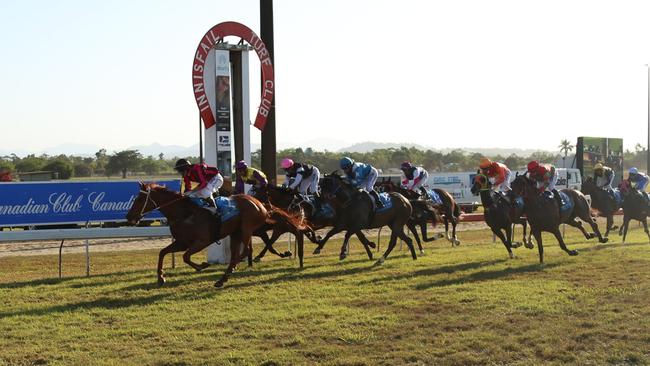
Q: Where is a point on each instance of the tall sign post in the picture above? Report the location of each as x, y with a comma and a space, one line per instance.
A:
269, 149
221, 88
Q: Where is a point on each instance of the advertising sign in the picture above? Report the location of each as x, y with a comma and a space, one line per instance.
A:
604, 150
69, 202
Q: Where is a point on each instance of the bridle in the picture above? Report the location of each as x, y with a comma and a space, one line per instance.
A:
156, 205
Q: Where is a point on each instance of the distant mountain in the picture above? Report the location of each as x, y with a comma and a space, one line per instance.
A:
488, 151
368, 146
169, 151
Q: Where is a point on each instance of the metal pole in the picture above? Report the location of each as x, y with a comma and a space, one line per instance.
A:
648, 145
87, 258
268, 135
61, 258
200, 141
173, 260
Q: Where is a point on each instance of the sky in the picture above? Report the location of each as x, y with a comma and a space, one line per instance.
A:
511, 74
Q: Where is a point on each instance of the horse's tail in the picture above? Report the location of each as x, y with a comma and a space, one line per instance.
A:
275, 215
449, 202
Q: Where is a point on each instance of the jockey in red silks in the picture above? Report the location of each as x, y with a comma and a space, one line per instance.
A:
209, 180
497, 173
546, 177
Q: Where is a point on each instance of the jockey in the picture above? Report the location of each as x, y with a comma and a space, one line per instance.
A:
248, 175
546, 177
497, 173
416, 177
305, 176
362, 176
603, 176
208, 177
639, 181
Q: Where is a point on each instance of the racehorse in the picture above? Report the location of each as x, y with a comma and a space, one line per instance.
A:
193, 228
544, 213
357, 212
499, 215
424, 211
295, 203
635, 207
602, 201
449, 209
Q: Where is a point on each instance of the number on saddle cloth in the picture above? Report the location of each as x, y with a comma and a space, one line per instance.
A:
385, 199
227, 208
434, 196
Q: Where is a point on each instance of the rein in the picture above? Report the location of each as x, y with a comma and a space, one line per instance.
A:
156, 205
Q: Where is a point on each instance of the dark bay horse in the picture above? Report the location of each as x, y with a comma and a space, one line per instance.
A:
499, 215
295, 203
544, 213
449, 209
194, 228
601, 201
424, 212
357, 212
635, 207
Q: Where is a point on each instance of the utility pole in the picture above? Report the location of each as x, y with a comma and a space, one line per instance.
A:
269, 149
647, 151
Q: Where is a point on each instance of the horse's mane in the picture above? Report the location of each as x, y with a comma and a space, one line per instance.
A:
153, 186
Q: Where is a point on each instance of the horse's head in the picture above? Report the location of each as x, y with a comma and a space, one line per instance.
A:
280, 196
481, 183
333, 185
386, 185
150, 197
522, 185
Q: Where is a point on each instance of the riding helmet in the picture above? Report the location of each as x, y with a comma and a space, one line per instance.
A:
346, 162
633, 170
181, 164
598, 167
406, 165
241, 165
484, 163
532, 166
286, 163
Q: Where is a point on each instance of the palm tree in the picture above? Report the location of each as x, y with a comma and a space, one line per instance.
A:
566, 147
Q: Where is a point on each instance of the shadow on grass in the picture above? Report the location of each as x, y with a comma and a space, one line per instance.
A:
57, 281
101, 303
597, 247
487, 275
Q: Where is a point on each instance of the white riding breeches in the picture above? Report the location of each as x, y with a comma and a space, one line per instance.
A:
369, 183
206, 192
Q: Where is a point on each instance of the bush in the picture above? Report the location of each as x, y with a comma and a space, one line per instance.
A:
63, 168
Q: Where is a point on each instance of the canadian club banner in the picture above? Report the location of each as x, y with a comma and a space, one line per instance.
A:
202, 75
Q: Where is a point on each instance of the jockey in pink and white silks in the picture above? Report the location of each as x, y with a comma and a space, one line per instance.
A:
305, 176
362, 176
415, 176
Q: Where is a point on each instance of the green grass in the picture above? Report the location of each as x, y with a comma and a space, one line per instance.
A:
454, 306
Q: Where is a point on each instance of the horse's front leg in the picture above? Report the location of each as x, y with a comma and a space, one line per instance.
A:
171, 248
321, 243
235, 257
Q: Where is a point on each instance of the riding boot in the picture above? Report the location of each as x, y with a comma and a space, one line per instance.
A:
375, 196
211, 202
425, 194
317, 202
645, 194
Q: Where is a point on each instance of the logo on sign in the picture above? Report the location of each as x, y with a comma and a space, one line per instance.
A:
223, 140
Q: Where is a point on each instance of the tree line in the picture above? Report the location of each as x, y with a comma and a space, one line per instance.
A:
131, 162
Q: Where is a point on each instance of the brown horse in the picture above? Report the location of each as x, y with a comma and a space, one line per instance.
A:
449, 209
544, 213
194, 228
635, 207
602, 201
357, 212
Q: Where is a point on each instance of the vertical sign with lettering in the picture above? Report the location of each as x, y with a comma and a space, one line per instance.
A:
224, 158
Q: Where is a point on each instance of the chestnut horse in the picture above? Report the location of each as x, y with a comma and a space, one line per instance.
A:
544, 213
635, 207
194, 228
357, 212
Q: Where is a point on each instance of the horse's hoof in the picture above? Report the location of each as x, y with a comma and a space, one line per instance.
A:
342, 256
286, 254
316, 251
372, 245
613, 228
161, 281
421, 252
573, 252
511, 255
529, 245
592, 235
515, 244
218, 284
257, 259
380, 261
603, 240
440, 235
